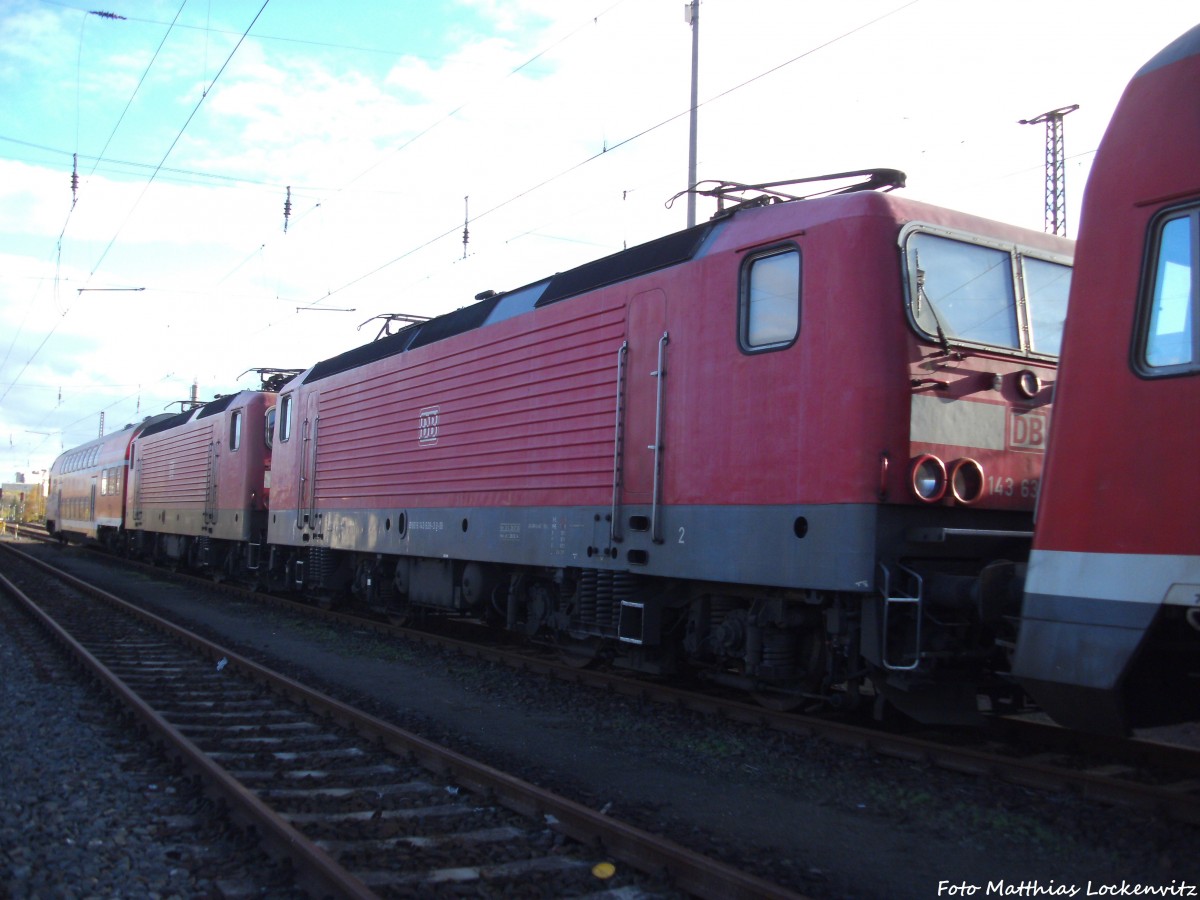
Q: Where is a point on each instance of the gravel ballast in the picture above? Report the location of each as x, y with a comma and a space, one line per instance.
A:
87, 809
824, 819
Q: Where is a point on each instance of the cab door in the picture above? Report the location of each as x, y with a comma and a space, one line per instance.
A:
643, 451
306, 514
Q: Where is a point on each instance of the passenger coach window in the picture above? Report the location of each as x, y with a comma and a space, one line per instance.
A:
1169, 343
285, 418
235, 430
770, 300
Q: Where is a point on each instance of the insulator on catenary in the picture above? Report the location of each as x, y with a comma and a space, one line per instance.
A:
466, 223
287, 209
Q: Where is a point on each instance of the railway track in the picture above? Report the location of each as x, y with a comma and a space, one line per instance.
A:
359, 807
1026, 751
1163, 778
1140, 774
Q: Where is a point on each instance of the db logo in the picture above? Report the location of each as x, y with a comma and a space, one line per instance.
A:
427, 425
1028, 429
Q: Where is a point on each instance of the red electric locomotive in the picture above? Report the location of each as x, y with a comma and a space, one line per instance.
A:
198, 490
782, 449
1110, 630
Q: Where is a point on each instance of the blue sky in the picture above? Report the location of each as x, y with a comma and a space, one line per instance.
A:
563, 121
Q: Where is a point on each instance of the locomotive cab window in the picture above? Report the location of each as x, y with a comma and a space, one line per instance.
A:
769, 304
235, 430
285, 417
1167, 338
969, 290
1046, 287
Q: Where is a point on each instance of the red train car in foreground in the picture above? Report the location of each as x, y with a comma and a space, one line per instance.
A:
1110, 630
783, 448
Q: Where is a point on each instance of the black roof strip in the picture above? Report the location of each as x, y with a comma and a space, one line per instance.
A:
649, 257
165, 424
217, 406
657, 254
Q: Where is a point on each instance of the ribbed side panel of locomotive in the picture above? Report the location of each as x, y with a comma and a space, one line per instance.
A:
422, 470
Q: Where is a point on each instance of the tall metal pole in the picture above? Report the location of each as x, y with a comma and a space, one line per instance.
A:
1056, 173
692, 14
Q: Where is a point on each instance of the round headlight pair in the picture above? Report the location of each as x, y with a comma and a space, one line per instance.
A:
930, 479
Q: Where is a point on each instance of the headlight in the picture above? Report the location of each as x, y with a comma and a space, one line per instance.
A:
966, 480
928, 478
1028, 383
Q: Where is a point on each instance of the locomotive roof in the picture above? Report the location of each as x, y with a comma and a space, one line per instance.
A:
1187, 44
660, 253
208, 409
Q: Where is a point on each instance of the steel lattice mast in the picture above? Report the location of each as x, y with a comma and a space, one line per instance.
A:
1056, 175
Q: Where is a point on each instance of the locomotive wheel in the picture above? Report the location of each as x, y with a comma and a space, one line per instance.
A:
777, 701
579, 655
398, 610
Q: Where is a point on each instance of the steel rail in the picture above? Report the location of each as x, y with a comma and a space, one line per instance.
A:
695, 873
244, 806
1178, 802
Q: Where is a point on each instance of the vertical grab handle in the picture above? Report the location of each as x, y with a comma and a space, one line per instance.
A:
614, 525
661, 375
306, 504
210, 485
302, 483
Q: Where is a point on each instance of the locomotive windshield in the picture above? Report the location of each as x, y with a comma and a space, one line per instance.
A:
986, 293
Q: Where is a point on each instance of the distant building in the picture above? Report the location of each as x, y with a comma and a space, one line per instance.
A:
21, 501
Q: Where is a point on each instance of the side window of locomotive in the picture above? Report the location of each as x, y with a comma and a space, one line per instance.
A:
1047, 285
1167, 341
235, 430
285, 417
269, 431
963, 291
769, 305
